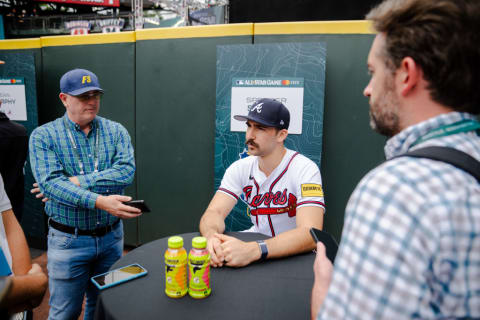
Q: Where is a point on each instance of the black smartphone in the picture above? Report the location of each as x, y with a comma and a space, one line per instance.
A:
140, 204
328, 241
117, 276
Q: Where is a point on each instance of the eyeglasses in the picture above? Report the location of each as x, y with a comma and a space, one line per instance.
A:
90, 95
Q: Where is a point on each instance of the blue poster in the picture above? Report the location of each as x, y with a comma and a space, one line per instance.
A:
300, 62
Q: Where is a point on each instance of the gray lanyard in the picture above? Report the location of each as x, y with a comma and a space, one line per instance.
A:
75, 147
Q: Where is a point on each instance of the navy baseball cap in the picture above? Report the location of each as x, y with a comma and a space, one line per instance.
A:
78, 81
268, 112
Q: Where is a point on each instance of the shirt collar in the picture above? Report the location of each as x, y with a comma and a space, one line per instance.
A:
73, 125
403, 141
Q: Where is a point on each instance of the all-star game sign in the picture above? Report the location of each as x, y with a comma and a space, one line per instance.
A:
12, 95
246, 91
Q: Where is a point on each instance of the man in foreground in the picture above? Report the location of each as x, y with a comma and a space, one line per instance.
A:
411, 240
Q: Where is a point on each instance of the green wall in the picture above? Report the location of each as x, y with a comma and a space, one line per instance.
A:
176, 131
163, 91
350, 147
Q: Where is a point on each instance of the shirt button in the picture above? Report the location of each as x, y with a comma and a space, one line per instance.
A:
89, 155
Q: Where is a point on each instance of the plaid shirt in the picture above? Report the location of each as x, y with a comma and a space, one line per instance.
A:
54, 160
410, 247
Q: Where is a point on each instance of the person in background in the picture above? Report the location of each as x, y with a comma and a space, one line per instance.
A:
411, 240
82, 164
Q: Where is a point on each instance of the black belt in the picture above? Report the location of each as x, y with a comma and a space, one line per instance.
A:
99, 232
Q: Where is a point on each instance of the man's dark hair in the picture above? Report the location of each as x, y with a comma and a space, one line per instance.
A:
443, 38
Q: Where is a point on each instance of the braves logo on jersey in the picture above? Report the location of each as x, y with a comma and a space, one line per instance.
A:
278, 198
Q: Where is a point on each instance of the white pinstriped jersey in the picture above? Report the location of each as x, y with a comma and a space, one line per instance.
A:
273, 200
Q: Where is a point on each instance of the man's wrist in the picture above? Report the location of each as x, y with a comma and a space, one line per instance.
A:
263, 250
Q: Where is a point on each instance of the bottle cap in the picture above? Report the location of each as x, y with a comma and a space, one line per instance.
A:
175, 242
199, 242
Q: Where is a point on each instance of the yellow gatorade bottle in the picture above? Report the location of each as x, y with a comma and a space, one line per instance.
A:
175, 268
199, 269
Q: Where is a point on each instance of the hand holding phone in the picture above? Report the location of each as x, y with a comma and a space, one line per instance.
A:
117, 276
140, 204
328, 241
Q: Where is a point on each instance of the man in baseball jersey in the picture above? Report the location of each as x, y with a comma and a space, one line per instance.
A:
282, 188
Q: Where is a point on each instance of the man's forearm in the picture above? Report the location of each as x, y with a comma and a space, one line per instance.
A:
26, 292
21, 262
210, 224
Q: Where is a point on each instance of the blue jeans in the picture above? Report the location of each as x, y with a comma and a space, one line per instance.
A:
72, 261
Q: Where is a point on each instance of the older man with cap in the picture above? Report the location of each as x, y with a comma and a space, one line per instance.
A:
282, 188
82, 163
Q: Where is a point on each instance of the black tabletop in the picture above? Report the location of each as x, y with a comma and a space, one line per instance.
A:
273, 289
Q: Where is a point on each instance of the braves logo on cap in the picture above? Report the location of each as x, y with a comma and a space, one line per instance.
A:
257, 108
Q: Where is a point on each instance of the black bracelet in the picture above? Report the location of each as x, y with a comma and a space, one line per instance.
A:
263, 248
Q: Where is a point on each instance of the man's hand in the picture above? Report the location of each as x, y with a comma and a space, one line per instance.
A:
75, 181
37, 271
323, 270
39, 195
214, 246
238, 253
113, 204
27, 291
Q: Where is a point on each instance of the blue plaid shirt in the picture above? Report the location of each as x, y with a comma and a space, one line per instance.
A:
410, 247
54, 160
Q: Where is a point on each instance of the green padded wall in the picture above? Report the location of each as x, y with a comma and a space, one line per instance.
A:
114, 64
175, 92
163, 91
350, 147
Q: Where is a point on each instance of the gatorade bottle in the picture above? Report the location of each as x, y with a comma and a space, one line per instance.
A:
199, 267
175, 268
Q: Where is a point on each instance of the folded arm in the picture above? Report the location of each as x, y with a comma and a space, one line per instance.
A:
122, 170
238, 253
51, 176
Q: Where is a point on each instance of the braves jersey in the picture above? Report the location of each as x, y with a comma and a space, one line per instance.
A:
274, 200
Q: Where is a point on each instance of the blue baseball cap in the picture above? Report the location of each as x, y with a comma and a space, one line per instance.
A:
269, 112
78, 81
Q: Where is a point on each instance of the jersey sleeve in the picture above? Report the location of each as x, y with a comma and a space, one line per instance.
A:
232, 180
309, 188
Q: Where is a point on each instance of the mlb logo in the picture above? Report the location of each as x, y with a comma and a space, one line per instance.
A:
240, 82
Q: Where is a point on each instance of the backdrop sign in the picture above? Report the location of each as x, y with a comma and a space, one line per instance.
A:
12, 95
98, 3
246, 91
293, 73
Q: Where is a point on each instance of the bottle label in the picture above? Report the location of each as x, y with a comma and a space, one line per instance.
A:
176, 276
199, 275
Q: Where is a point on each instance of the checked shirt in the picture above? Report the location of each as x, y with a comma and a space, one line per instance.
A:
410, 246
54, 160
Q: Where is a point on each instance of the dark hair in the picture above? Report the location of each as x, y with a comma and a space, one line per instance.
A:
443, 38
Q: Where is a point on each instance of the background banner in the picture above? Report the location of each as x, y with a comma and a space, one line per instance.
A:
98, 3
12, 95
303, 62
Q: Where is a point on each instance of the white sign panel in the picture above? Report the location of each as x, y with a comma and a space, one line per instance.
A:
12, 95
246, 91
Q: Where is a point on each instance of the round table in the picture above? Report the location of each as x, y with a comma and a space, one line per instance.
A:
273, 289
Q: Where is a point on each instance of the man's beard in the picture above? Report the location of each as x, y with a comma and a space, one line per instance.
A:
383, 114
